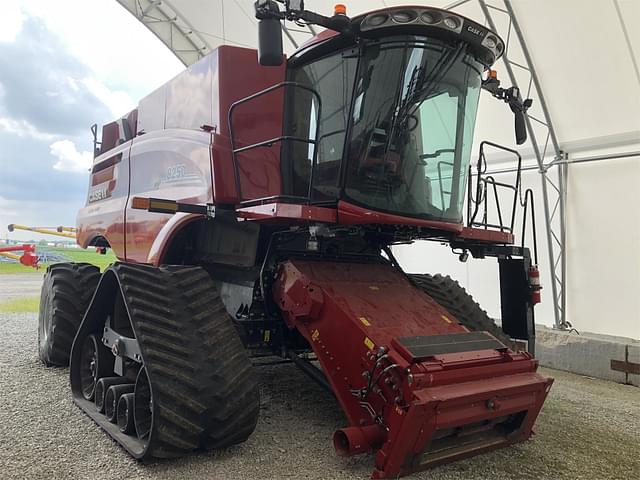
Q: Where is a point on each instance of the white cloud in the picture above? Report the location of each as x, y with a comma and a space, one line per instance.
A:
118, 101
69, 158
10, 21
22, 128
112, 42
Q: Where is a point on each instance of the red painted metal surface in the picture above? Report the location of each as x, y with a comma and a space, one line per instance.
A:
260, 119
350, 214
287, 212
169, 164
182, 152
103, 213
348, 312
486, 235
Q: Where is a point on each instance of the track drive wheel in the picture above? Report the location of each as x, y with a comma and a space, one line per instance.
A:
189, 382
450, 295
67, 289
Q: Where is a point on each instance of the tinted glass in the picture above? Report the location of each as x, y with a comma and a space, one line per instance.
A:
332, 77
413, 120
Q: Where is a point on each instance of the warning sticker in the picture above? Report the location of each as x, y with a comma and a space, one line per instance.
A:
365, 321
370, 345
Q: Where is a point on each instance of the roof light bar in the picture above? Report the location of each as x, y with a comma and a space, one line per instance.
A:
443, 20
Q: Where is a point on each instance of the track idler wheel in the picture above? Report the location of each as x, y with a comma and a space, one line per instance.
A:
143, 406
96, 362
125, 414
111, 399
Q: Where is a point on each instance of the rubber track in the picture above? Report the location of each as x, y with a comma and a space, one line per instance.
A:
454, 298
69, 287
205, 394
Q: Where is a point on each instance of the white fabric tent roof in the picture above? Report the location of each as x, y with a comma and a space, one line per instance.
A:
585, 52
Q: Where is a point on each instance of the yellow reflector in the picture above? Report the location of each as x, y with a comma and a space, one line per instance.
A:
140, 203
370, 345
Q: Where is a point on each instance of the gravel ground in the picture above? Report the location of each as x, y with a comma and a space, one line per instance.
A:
588, 429
15, 285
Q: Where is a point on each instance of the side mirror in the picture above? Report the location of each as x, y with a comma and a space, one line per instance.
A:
270, 52
521, 127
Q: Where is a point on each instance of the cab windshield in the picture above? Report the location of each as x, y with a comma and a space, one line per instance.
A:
395, 127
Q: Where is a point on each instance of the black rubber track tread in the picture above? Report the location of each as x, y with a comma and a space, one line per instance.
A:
67, 289
452, 296
205, 394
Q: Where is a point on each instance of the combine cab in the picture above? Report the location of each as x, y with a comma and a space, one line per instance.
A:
253, 204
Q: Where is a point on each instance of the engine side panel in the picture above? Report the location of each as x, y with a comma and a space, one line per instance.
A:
169, 164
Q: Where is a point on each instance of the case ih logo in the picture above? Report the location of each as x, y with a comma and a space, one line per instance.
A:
475, 31
103, 191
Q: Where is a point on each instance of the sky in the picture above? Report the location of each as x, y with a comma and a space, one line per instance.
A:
65, 65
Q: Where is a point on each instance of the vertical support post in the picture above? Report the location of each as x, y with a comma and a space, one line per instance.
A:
563, 172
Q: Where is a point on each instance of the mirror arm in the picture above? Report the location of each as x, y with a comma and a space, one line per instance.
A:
510, 96
294, 11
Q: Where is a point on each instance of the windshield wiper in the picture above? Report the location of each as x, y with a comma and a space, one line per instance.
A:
414, 98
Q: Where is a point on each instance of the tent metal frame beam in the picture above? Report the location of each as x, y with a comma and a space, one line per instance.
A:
154, 12
595, 158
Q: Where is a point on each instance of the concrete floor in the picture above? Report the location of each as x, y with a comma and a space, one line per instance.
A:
588, 429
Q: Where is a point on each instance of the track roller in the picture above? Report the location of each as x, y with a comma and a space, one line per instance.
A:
125, 414
168, 331
102, 387
112, 398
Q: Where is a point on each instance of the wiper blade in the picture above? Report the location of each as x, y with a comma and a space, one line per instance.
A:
412, 100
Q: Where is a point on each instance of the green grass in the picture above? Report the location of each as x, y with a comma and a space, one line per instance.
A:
88, 256
6, 267
73, 254
20, 305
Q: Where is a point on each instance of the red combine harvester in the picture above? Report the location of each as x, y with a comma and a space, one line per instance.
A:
253, 204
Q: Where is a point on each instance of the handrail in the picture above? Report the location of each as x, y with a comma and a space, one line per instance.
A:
270, 142
483, 184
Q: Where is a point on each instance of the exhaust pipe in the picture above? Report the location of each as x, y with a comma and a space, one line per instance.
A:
355, 440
